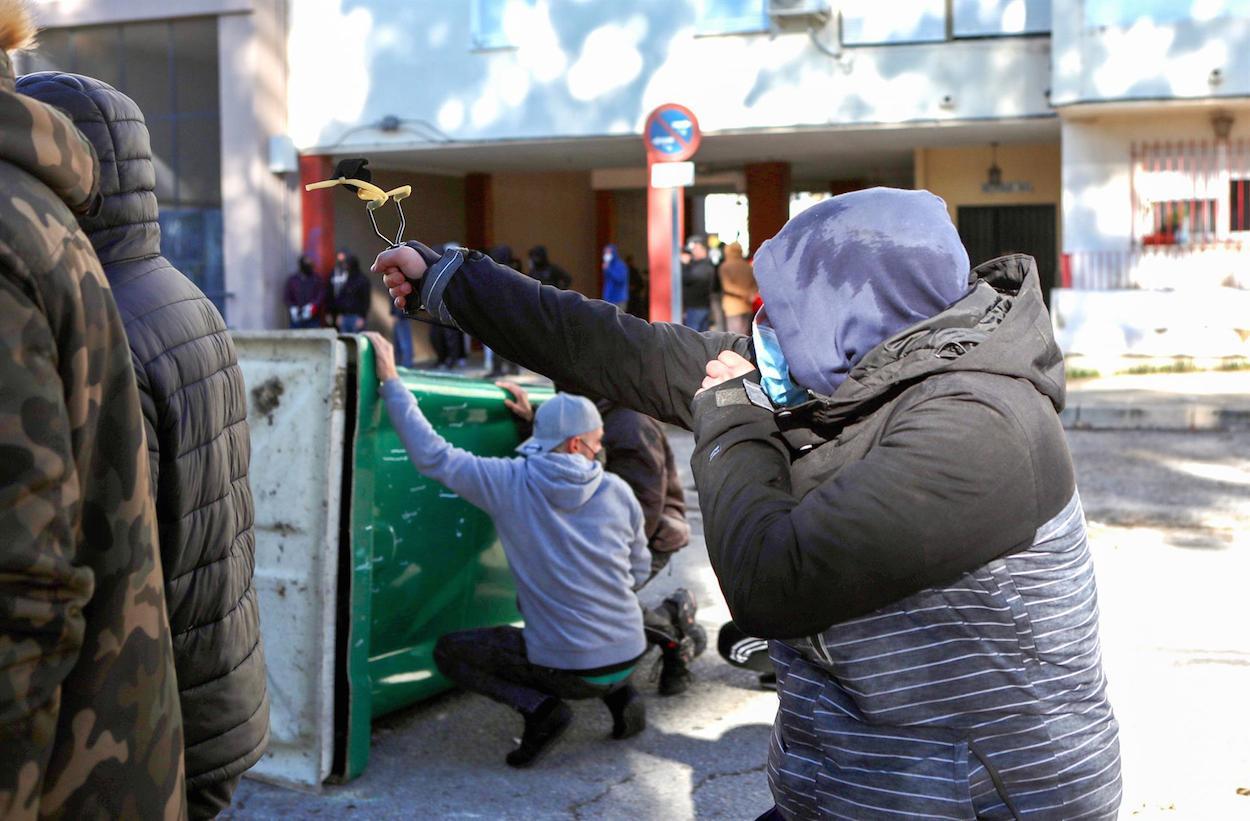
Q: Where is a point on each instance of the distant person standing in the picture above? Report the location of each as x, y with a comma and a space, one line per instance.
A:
305, 296
447, 341
638, 291
697, 277
401, 332
546, 271
349, 296
738, 290
615, 278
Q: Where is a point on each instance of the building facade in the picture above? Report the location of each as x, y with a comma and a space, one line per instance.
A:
1110, 139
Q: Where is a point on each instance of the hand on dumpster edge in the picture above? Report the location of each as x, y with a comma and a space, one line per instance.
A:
399, 265
383, 356
519, 404
729, 365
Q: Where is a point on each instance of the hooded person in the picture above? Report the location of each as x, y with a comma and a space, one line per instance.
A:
195, 415
89, 719
887, 496
573, 536
546, 271
615, 278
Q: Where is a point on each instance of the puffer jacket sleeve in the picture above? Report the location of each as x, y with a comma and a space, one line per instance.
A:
42, 592
585, 344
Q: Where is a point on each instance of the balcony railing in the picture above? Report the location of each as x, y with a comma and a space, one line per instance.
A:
1159, 267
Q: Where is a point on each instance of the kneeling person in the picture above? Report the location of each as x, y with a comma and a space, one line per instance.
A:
574, 539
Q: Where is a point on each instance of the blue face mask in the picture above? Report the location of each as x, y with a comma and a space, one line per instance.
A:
774, 372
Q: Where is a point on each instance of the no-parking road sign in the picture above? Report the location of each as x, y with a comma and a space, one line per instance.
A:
671, 134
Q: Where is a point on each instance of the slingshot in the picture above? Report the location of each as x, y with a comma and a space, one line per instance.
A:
354, 175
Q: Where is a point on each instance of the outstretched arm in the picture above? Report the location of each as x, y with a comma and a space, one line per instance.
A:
584, 344
478, 480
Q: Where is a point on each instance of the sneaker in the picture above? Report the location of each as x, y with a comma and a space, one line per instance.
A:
675, 676
542, 728
629, 712
682, 607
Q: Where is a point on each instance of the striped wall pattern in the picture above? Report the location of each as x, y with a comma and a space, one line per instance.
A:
916, 710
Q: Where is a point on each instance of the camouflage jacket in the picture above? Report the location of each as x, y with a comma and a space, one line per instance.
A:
89, 718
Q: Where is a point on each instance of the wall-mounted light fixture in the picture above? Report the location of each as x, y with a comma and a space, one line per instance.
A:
994, 174
1222, 124
994, 183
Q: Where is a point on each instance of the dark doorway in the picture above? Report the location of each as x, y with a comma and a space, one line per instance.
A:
989, 231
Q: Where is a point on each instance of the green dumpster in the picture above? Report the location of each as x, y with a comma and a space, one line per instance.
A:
362, 563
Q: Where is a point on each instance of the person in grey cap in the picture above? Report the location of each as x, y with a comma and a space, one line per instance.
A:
574, 538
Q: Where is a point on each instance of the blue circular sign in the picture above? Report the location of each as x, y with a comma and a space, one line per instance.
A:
672, 133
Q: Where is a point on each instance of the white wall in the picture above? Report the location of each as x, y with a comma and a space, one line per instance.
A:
597, 68
1149, 49
1097, 179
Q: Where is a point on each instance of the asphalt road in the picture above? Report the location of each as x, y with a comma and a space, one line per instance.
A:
1170, 516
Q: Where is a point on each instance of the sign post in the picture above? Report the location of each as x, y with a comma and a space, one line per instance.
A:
672, 137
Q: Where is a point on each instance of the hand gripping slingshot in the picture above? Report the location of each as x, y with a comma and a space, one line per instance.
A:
354, 175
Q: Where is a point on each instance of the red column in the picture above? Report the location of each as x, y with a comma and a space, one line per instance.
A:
768, 200
479, 211
665, 226
317, 212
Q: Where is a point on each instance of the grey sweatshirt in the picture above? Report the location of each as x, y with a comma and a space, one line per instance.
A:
572, 533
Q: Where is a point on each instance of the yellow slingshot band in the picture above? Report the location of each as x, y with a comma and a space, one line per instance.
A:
373, 196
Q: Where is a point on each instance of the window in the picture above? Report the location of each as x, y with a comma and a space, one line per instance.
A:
1239, 205
169, 68
1180, 222
990, 18
494, 22
732, 16
872, 22
1190, 191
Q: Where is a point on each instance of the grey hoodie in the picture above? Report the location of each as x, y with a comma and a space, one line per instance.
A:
573, 536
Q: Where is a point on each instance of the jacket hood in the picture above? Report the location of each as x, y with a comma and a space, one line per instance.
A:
854, 270
566, 480
1001, 326
43, 142
125, 227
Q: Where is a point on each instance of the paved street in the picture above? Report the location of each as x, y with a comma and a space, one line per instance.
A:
1169, 520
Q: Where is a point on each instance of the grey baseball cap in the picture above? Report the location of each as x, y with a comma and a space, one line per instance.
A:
560, 417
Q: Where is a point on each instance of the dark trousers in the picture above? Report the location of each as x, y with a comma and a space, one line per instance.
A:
492, 661
208, 801
448, 344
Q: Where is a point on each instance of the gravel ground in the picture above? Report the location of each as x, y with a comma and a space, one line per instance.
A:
1169, 515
